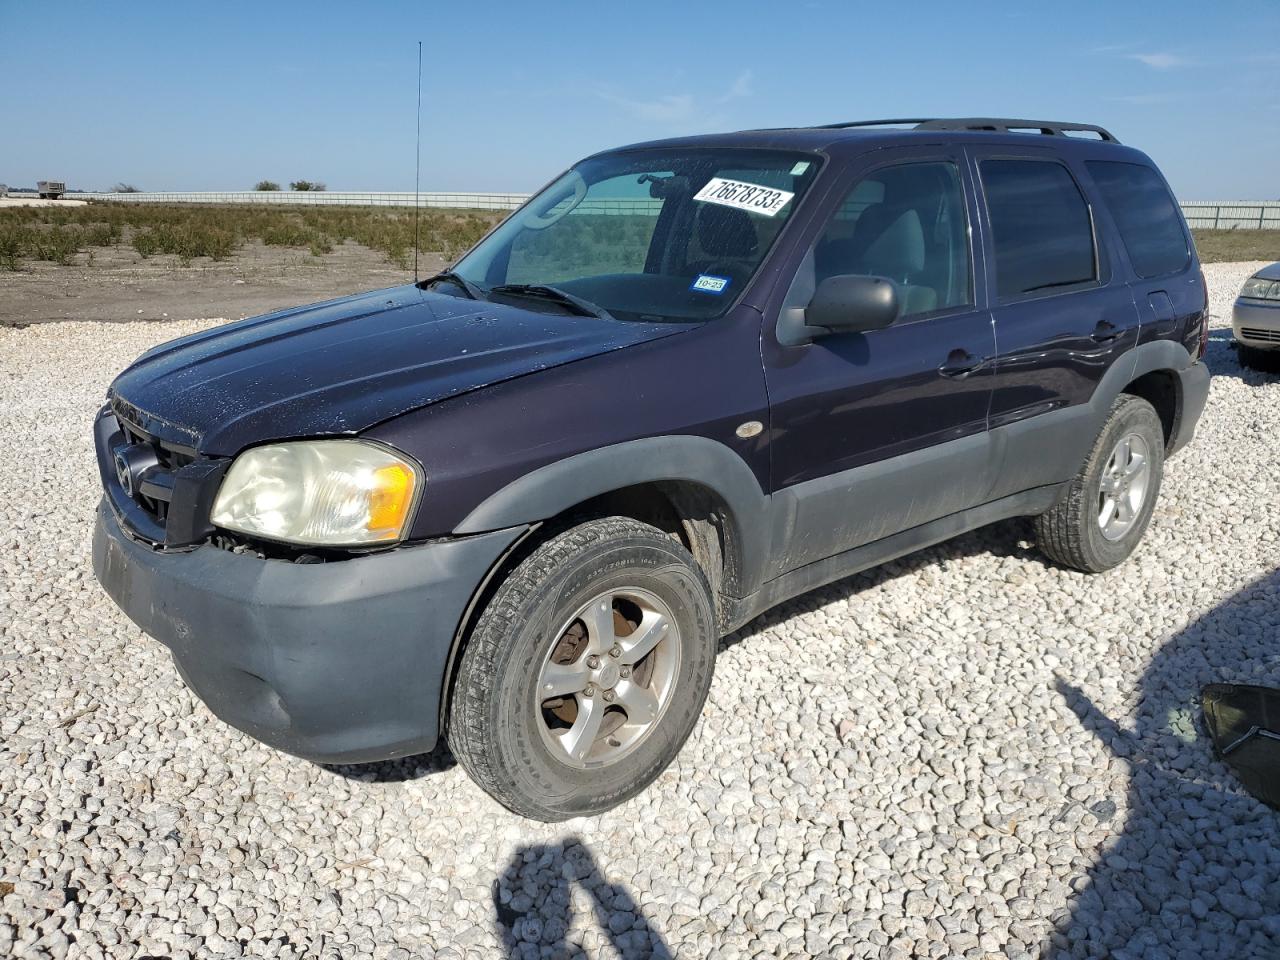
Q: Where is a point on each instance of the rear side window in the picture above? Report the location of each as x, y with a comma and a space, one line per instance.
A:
1042, 228
1146, 214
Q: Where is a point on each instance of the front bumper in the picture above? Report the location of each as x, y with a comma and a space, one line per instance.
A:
1193, 392
339, 662
1256, 323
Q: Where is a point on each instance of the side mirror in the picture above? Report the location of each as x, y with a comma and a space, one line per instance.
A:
850, 303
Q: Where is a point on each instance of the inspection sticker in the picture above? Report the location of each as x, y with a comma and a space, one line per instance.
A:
709, 283
744, 196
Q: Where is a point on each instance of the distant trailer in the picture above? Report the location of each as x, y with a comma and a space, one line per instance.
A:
50, 189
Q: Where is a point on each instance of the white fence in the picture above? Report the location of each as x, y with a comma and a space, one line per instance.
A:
1226, 215
1233, 215
470, 201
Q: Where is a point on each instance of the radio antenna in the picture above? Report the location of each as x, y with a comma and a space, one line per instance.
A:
417, 168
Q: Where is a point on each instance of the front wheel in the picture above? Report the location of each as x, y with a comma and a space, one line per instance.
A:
1106, 508
586, 672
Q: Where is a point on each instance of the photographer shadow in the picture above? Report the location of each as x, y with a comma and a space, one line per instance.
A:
1196, 870
533, 904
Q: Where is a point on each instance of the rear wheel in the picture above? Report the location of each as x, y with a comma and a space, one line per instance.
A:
1105, 511
586, 672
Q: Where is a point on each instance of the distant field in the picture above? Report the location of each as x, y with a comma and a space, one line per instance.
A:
1221, 246
58, 233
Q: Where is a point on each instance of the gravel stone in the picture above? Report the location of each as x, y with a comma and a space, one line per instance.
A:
967, 752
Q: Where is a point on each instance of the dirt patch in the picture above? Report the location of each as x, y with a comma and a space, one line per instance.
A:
115, 283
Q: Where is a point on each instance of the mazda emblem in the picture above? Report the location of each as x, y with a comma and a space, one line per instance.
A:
124, 474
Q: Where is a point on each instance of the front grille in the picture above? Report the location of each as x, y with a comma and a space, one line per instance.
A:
153, 489
161, 490
1255, 333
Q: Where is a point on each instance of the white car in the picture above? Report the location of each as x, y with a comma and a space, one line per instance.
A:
1255, 319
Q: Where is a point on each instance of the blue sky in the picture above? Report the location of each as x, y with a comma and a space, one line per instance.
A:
218, 96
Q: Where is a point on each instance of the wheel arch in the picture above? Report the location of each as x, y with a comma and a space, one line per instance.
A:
1149, 371
1163, 390
702, 479
1139, 372
692, 487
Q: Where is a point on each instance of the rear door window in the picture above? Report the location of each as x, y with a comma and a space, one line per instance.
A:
1042, 229
1145, 214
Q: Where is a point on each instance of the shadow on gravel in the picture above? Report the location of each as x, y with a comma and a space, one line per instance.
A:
1194, 873
1007, 538
1224, 361
533, 902
397, 771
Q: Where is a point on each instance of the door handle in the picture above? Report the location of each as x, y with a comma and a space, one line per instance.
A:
959, 364
1104, 332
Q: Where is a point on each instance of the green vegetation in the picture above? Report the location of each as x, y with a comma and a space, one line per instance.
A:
580, 244
56, 234
1219, 246
312, 185
266, 185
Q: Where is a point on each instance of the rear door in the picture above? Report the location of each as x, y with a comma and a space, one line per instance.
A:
1063, 312
876, 432
1166, 285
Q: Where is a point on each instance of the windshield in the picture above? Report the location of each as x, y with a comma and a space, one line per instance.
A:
650, 235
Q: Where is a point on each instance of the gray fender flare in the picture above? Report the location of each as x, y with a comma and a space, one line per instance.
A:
1142, 359
558, 486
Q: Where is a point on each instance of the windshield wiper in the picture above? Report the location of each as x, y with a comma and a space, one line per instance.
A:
544, 292
458, 280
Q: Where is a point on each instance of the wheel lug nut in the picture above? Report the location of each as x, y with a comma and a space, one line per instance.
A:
616, 651
593, 662
608, 695
590, 691
624, 672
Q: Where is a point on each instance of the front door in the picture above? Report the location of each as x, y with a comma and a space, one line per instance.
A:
876, 432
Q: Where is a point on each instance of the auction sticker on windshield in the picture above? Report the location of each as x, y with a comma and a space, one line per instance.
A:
744, 196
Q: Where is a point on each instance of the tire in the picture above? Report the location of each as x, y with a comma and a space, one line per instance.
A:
1072, 531
511, 742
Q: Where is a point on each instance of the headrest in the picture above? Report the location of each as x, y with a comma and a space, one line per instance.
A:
725, 232
891, 240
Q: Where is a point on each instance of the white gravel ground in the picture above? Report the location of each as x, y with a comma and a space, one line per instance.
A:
966, 753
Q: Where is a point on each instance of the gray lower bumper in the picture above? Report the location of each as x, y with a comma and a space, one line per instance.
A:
1257, 323
335, 662
1193, 391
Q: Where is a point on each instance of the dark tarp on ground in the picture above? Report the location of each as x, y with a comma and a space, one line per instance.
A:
1244, 722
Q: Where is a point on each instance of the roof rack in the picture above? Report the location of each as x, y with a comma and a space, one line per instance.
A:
1051, 128
874, 123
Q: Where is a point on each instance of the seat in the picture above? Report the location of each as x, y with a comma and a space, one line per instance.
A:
888, 241
724, 242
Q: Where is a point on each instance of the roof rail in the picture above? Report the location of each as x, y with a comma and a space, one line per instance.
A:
1052, 128
917, 121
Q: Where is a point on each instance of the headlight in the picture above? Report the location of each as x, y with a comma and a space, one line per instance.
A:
337, 493
1260, 289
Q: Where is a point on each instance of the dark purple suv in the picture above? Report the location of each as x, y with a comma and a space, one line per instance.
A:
520, 502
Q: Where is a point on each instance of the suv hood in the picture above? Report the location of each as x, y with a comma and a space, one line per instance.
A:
342, 366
